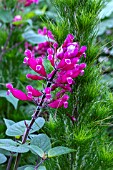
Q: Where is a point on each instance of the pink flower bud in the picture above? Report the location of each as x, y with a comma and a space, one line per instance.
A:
9, 86
17, 18
28, 53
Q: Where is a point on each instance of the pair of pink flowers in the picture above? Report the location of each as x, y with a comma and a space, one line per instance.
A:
66, 65
28, 2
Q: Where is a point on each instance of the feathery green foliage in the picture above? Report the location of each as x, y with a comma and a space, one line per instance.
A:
91, 101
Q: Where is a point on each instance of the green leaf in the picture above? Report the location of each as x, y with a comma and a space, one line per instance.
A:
2, 158
59, 150
8, 122
6, 16
10, 98
34, 38
18, 128
8, 141
26, 166
42, 141
29, 168
104, 25
36, 150
107, 10
12, 148
42, 168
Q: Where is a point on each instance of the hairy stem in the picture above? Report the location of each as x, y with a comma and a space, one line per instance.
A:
38, 164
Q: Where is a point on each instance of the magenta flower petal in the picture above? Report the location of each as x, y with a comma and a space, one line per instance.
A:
19, 94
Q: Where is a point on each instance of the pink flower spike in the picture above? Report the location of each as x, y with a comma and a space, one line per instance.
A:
28, 53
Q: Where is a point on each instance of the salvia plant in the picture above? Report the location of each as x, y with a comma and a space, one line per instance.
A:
66, 66
73, 107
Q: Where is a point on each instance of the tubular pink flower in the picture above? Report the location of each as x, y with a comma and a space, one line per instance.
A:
17, 93
28, 53
34, 77
33, 92
51, 59
82, 51
59, 102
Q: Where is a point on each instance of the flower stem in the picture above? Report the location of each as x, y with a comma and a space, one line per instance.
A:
9, 162
34, 117
37, 166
